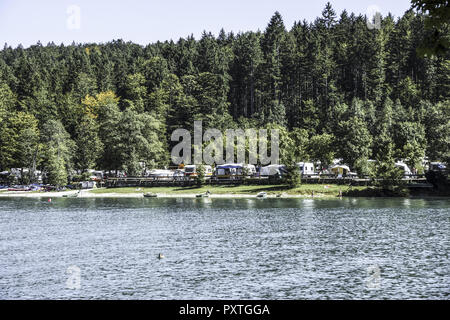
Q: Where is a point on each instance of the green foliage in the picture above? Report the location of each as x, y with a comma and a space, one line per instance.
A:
7, 99
353, 140
437, 130
138, 141
56, 168
292, 178
299, 147
437, 22
19, 142
321, 148
200, 177
88, 144
109, 119
387, 175
58, 151
334, 88
362, 167
85, 176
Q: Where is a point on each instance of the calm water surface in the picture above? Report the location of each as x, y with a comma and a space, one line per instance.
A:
225, 248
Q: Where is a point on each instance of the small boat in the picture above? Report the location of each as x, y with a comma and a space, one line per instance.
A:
203, 195
150, 195
73, 195
261, 195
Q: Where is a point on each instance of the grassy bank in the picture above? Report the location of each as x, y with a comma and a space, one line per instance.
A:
304, 189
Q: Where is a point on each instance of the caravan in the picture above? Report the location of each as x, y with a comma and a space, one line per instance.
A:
306, 168
190, 171
161, 174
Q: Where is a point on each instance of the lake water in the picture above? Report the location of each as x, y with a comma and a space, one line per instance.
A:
224, 248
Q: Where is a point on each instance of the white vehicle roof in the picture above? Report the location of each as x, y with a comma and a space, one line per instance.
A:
156, 171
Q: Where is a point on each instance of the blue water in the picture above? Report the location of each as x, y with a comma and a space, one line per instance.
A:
224, 248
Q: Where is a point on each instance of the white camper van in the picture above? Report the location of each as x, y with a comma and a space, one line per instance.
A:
306, 168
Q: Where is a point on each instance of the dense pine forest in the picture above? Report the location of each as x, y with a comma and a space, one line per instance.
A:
334, 87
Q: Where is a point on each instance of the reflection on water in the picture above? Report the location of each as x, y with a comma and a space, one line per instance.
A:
224, 248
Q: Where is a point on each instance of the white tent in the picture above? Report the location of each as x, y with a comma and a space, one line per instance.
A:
272, 170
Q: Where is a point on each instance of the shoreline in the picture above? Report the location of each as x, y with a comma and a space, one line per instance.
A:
87, 194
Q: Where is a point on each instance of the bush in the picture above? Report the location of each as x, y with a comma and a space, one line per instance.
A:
387, 176
362, 167
377, 192
292, 177
81, 177
200, 177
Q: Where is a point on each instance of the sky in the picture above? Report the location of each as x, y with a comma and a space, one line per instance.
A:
64, 21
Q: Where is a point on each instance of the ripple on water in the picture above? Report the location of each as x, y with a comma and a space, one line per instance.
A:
225, 249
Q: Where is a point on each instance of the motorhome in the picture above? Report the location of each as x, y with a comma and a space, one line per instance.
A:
161, 174
190, 170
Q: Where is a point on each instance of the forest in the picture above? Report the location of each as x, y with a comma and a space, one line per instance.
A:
333, 87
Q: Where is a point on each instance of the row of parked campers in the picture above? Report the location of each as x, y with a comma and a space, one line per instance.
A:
229, 171
224, 171
305, 168
232, 170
